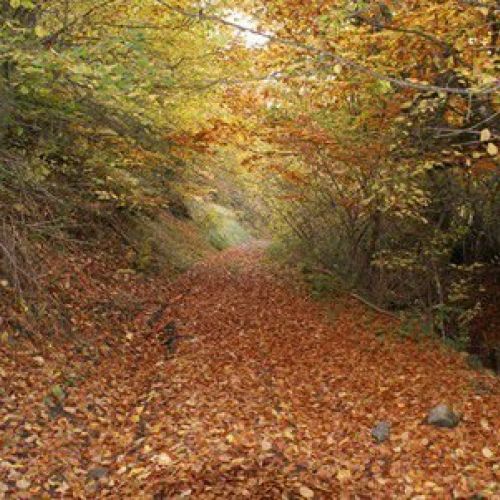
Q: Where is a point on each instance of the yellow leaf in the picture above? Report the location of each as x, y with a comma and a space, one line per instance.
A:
492, 149
485, 135
136, 471
487, 453
343, 475
40, 32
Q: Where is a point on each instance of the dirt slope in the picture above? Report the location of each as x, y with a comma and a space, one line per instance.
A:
258, 392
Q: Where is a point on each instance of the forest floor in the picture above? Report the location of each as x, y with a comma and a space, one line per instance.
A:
243, 387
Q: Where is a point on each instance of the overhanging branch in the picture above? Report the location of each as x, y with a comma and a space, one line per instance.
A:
326, 54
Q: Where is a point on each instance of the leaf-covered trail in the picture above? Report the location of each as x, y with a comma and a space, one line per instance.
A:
268, 396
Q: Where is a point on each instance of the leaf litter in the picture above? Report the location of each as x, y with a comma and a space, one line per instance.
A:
264, 397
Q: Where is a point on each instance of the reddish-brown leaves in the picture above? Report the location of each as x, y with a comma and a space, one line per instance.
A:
268, 394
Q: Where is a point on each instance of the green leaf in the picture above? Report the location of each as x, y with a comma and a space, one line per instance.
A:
58, 392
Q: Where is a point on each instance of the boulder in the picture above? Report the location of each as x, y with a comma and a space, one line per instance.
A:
443, 416
381, 432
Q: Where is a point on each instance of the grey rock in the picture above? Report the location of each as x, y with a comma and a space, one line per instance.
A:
381, 432
98, 473
443, 416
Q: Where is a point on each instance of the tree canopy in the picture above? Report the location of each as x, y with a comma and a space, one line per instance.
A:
366, 132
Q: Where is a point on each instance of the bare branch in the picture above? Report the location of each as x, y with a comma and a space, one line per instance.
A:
327, 54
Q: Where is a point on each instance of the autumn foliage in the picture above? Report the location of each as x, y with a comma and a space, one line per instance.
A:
377, 134
351, 145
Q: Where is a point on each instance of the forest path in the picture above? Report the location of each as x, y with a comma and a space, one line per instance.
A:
269, 395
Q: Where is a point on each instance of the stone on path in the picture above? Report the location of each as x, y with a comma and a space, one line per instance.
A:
98, 473
443, 416
381, 432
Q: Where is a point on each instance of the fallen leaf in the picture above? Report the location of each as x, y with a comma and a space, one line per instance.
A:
23, 484
344, 475
39, 360
306, 492
485, 425
163, 459
58, 392
266, 445
136, 471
